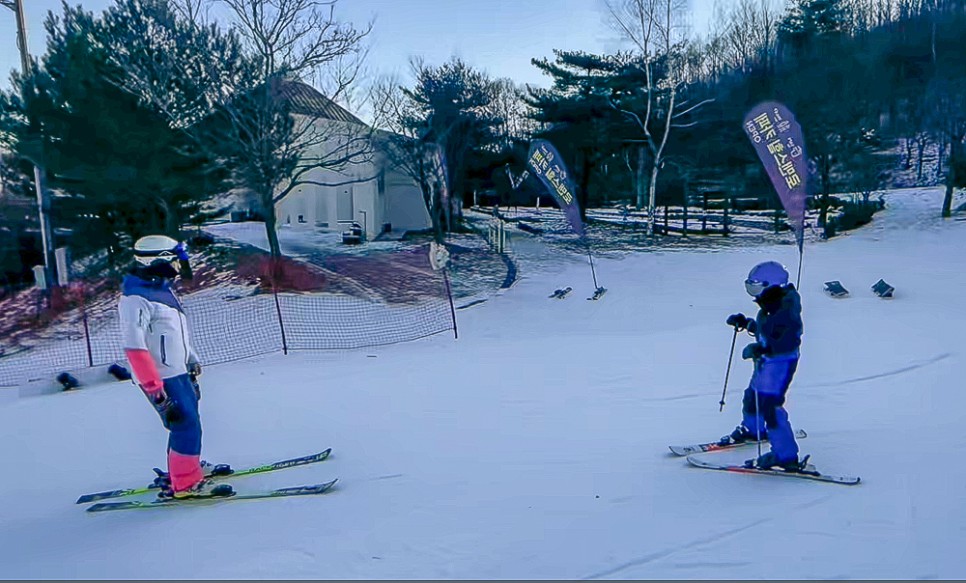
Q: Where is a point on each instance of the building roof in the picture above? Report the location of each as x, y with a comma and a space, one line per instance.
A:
306, 100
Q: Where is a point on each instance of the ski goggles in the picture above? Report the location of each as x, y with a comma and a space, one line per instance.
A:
151, 257
755, 287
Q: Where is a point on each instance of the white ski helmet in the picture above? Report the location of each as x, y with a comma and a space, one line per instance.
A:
156, 249
765, 275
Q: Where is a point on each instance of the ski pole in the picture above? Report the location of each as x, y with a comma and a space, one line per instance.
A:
758, 418
731, 357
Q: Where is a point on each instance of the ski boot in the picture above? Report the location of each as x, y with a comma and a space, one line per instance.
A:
204, 489
770, 461
163, 481
741, 434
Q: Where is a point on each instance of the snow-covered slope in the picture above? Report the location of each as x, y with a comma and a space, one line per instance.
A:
535, 446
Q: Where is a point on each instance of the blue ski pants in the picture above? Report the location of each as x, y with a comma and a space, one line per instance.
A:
766, 415
185, 434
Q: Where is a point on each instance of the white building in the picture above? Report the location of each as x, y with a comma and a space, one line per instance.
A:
371, 194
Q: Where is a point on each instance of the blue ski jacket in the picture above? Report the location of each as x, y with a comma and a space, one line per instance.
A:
778, 326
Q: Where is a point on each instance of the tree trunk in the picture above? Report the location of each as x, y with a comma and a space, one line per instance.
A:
948, 200
951, 178
271, 222
433, 206
639, 180
652, 196
826, 187
921, 145
684, 230
940, 154
583, 189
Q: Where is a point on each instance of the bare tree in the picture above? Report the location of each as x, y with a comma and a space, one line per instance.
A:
407, 148
760, 20
291, 42
715, 45
950, 126
246, 90
510, 109
657, 30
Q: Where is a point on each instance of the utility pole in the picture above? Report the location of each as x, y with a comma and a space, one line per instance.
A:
43, 197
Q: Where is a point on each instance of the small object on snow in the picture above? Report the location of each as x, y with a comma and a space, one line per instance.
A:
438, 256
354, 235
808, 473
683, 450
561, 293
598, 293
119, 372
882, 289
835, 289
309, 490
68, 381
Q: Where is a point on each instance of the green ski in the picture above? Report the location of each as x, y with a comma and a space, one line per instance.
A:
310, 490
279, 465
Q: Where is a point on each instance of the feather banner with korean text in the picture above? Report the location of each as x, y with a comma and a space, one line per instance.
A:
547, 165
780, 145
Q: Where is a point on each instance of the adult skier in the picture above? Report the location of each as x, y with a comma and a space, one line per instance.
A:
154, 335
778, 336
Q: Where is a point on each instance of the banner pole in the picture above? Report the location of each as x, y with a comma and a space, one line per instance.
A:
593, 272
801, 259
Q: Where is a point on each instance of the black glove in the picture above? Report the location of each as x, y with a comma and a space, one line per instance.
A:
739, 321
166, 408
753, 351
194, 371
195, 386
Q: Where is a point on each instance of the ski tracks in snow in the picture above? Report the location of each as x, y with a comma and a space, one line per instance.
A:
898, 371
676, 549
652, 557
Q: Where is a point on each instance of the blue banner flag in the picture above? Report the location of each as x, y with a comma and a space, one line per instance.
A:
780, 145
546, 163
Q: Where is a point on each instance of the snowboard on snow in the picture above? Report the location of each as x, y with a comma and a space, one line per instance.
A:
683, 450
598, 293
835, 289
883, 290
115, 371
560, 294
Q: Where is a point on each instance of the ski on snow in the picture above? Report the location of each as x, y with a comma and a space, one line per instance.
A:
683, 450
311, 490
279, 465
809, 473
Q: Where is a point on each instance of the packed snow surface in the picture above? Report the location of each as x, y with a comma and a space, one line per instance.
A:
535, 445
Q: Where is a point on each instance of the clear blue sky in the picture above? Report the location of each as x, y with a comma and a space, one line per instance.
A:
498, 36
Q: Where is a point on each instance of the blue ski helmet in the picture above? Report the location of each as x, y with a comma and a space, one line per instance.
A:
765, 275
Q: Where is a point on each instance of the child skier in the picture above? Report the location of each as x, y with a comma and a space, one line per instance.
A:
777, 330
154, 335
